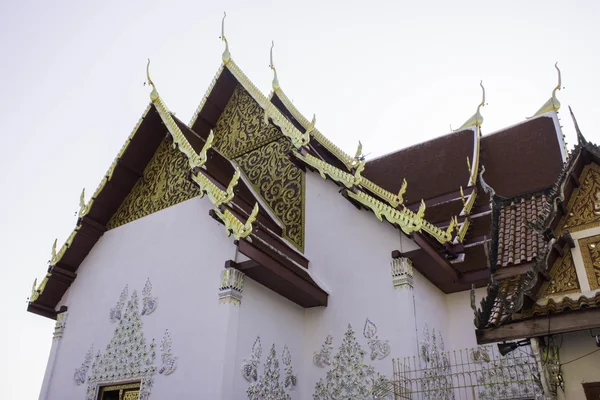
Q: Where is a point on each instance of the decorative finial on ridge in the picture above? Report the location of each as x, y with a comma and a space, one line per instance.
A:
53, 251
552, 103
580, 138
226, 55
154, 93
275, 83
82, 205
477, 118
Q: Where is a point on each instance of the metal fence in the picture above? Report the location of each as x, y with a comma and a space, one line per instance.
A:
479, 373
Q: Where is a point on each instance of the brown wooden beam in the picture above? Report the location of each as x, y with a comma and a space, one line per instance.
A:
575, 179
444, 198
544, 325
474, 276
301, 287
450, 274
42, 310
508, 272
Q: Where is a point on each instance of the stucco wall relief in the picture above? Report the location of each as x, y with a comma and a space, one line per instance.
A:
269, 385
349, 377
128, 356
81, 373
115, 313
322, 358
380, 349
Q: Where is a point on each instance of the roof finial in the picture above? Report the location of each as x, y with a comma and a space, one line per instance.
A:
226, 56
154, 93
275, 83
580, 138
477, 118
552, 103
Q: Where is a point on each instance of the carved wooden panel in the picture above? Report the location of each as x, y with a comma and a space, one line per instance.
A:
163, 185
583, 209
590, 252
241, 127
280, 183
563, 277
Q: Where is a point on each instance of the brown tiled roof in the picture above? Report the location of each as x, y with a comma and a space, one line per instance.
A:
564, 304
507, 289
517, 243
522, 159
431, 169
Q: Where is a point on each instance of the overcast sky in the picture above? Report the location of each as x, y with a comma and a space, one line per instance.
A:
389, 73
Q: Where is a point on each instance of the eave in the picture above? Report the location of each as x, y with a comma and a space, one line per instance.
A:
543, 325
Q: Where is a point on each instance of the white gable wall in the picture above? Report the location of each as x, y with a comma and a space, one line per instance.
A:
182, 250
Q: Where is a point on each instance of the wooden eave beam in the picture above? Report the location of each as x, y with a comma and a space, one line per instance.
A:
474, 276
544, 325
502, 273
443, 264
42, 310
306, 294
442, 199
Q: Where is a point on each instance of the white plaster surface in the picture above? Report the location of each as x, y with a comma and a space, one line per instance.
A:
584, 370
182, 251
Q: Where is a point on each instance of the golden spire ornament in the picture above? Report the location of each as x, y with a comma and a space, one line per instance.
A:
552, 103
275, 83
154, 93
226, 55
477, 118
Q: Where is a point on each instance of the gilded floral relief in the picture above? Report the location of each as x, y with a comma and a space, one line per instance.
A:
584, 205
590, 252
163, 185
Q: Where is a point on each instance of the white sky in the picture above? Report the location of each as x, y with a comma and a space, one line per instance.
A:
388, 73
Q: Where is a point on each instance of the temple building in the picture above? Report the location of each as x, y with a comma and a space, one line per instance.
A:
245, 256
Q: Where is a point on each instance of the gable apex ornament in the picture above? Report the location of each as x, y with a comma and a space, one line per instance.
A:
275, 83
552, 103
226, 55
476, 119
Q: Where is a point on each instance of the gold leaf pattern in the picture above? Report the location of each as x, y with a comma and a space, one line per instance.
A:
163, 185
584, 204
590, 252
241, 127
563, 277
280, 183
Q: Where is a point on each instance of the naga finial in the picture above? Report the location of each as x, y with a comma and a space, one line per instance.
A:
53, 251
275, 83
552, 103
358, 155
477, 118
226, 55
154, 93
82, 205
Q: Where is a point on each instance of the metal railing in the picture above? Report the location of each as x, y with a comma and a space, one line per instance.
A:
479, 373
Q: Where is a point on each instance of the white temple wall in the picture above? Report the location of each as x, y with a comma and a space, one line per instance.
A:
584, 370
350, 252
169, 247
460, 327
276, 320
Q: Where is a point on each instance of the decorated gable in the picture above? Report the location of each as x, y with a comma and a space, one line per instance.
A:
563, 277
261, 152
163, 185
584, 205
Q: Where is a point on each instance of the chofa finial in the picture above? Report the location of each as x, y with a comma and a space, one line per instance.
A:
552, 103
275, 83
477, 118
226, 56
154, 93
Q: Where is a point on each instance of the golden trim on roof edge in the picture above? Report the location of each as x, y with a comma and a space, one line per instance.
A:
197, 160
407, 220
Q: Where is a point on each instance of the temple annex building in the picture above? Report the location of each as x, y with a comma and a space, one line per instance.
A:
465, 267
